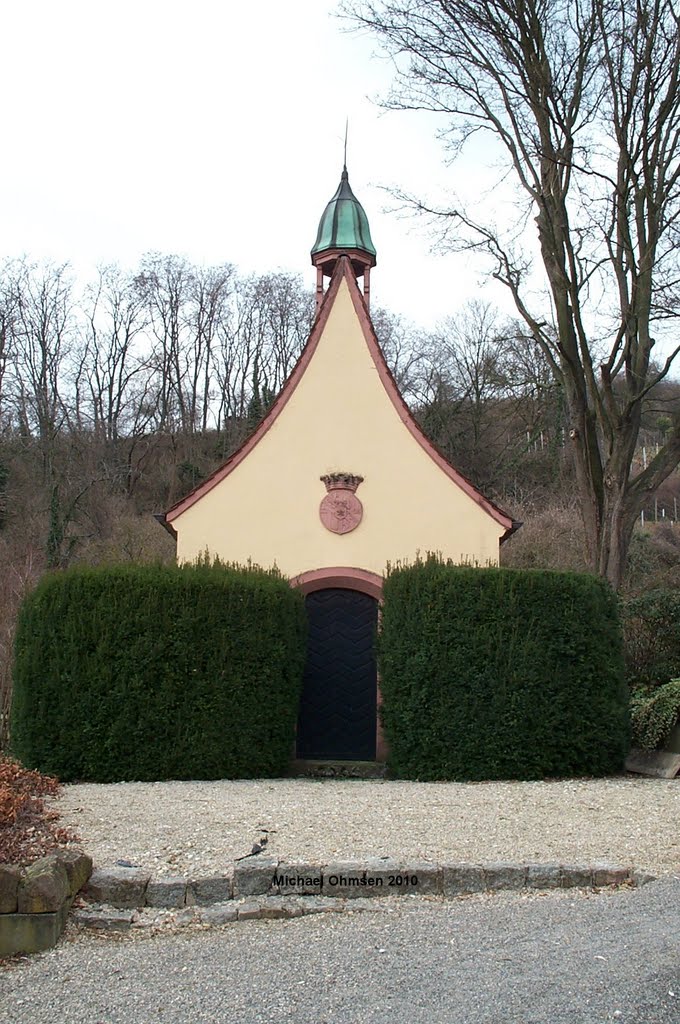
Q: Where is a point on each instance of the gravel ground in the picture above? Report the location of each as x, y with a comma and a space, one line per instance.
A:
200, 827
561, 958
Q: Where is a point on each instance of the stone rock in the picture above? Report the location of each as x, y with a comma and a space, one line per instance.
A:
428, 879
459, 879
220, 913
169, 892
124, 888
353, 878
10, 876
203, 891
276, 907
292, 906
320, 905
78, 867
104, 919
29, 933
44, 887
577, 876
544, 876
642, 878
253, 876
298, 879
661, 764
504, 876
250, 911
605, 873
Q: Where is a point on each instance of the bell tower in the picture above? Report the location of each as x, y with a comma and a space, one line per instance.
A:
343, 231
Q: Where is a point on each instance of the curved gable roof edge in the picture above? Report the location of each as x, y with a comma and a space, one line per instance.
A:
270, 416
406, 416
343, 271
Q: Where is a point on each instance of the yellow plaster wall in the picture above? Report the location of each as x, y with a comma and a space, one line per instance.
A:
339, 418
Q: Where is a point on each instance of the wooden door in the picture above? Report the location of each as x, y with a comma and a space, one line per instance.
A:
338, 708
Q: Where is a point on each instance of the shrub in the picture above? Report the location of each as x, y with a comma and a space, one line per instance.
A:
551, 538
651, 631
654, 713
501, 673
157, 672
653, 559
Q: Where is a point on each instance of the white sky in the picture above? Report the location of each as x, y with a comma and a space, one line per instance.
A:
215, 130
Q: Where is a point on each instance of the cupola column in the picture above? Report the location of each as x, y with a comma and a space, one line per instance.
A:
319, 287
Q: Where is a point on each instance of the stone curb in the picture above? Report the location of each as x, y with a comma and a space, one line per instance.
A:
131, 888
103, 918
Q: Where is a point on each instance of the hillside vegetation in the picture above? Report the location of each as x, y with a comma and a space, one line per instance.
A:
120, 395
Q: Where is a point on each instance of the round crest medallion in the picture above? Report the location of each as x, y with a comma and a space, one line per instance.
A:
341, 511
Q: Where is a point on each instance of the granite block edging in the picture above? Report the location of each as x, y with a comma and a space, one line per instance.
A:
132, 888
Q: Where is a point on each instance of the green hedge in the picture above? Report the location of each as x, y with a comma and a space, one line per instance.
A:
651, 633
154, 672
501, 674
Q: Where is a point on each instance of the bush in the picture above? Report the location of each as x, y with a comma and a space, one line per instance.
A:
653, 559
158, 672
501, 673
651, 632
653, 714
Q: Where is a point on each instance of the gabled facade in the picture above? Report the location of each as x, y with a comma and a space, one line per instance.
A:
337, 481
339, 413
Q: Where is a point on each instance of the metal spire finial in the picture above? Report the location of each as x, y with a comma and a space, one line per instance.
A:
346, 128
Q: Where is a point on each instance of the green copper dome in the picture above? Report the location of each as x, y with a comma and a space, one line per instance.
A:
344, 224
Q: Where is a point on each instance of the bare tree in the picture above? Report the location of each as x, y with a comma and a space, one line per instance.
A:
209, 308
112, 364
407, 350
189, 312
165, 284
40, 331
465, 396
470, 350
6, 332
241, 349
582, 101
261, 337
286, 309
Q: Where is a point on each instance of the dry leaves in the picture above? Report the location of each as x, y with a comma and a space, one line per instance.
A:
27, 829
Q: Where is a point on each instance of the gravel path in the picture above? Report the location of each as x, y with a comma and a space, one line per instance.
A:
563, 958
201, 827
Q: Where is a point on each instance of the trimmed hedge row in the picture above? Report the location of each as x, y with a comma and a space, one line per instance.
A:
154, 672
501, 674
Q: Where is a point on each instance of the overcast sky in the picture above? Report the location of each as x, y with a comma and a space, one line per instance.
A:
214, 130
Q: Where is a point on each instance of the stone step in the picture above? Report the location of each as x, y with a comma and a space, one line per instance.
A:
100, 917
262, 875
441, 882
338, 769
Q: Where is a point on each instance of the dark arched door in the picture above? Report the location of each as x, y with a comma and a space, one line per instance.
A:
337, 719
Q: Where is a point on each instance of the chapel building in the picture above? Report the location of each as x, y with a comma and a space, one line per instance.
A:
337, 481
